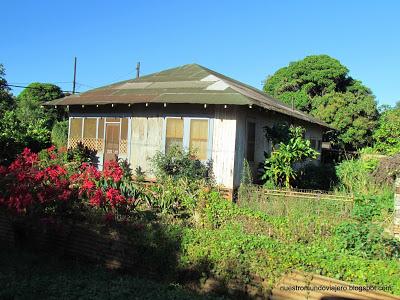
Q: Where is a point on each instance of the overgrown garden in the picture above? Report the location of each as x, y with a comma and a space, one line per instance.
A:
182, 227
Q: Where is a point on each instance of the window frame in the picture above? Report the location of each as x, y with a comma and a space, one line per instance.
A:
164, 138
186, 133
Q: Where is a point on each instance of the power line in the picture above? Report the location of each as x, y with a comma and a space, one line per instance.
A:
32, 87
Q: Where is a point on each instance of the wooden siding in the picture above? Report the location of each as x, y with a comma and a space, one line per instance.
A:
146, 140
223, 150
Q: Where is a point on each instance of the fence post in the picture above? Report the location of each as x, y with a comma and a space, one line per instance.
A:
396, 220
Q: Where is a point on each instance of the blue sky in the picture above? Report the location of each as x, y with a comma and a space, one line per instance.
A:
246, 40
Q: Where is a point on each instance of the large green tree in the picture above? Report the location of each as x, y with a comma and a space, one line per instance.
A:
321, 85
30, 103
27, 123
7, 101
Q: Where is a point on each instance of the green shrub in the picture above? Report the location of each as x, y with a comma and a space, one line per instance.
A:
367, 239
178, 163
387, 135
355, 175
178, 195
59, 134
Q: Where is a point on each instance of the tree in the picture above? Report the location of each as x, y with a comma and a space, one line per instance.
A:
30, 103
353, 115
387, 134
15, 136
321, 85
7, 101
280, 166
59, 134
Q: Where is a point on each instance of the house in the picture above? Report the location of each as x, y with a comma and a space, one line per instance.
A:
190, 105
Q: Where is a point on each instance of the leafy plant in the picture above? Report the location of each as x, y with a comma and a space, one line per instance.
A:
367, 239
179, 163
177, 195
387, 134
140, 175
279, 167
59, 134
355, 174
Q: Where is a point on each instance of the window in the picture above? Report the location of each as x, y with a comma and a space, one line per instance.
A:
100, 129
174, 133
199, 138
251, 141
75, 130
124, 128
89, 128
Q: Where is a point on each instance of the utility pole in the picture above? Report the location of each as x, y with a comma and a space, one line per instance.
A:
73, 85
137, 70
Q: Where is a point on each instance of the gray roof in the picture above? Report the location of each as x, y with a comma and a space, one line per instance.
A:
192, 83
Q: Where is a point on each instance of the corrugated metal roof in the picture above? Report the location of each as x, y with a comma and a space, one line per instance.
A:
192, 84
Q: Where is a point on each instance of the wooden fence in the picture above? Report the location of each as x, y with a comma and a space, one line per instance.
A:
299, 193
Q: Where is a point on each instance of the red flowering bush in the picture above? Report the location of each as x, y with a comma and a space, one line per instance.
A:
110, 190
48, 184
26, 187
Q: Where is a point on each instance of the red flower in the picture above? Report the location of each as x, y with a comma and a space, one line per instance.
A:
112, 170
88, 185
97, 199
65, 195
114, 197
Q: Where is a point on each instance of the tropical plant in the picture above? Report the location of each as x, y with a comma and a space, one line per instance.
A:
280, 166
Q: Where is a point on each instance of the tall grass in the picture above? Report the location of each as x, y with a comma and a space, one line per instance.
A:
355, 175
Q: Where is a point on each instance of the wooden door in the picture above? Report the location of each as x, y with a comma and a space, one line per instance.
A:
111, 150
